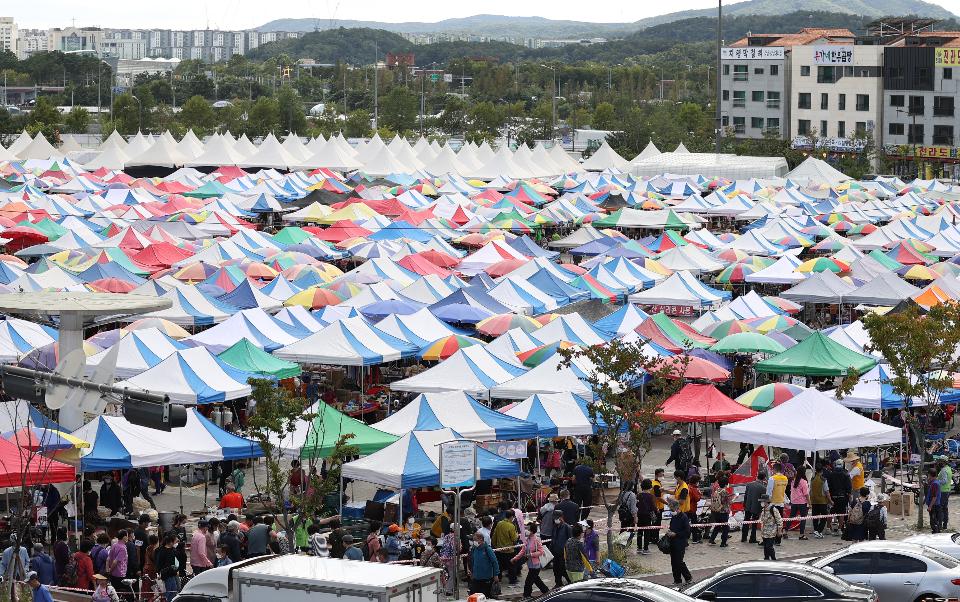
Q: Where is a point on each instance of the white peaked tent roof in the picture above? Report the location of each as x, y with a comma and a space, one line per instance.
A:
817, 171
501, 164
383, 163
190, 146
114, 139
69, 144
540, 156
6, 155
548, 377
163, 153
22, 141
681, 149
886, 289
423, 150
293, 145
315, 144
217, 152
813, 422
270, 154
330, 155
137, 145
39, 148
467, 155
340, 141
523, 157
679, 289
605, 158
371, 148
405, 155
445, 162
244, 146
650, 150
484, 152
473, 370
563, 160
435, 146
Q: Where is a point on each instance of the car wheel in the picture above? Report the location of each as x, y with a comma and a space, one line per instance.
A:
926, 598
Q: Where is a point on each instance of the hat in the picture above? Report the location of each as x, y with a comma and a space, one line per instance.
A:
676, 432
233, 526
31, 576
553, 497
838, 464
97, 577
583, 524
394, 528
851, 456
882, 497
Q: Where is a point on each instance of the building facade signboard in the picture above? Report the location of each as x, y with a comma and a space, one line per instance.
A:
946, 57
751, 53
833, 55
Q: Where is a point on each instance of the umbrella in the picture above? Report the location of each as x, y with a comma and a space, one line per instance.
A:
736, 272
546, 318
444, 347
461, 312
111, 285
696, 368
767, 396
504, 267
779, 323
174, 331
718, 330
314, 297
823, 264
747, 342
495, 326
381, 309
536, 356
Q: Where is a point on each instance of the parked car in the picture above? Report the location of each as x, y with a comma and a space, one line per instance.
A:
615, 590
948, 543
777, 581
898, 571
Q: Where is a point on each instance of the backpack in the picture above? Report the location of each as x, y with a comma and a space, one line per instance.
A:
874, 518
716, 500
856, 514
626, 515
69, 576
686, 454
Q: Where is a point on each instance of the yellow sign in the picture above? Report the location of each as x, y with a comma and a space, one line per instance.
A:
936, 152
947, 57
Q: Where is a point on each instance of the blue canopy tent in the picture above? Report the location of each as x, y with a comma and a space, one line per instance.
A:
460, 412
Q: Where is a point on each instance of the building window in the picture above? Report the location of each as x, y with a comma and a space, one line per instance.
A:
915, 133
739, 98
842, 102
756, 123
895, 129
726, 69
824, 101
860, 128
916, 105
948, 73
739, 124
758, 70
943, 135
803, 127
823, 128
774, 69
756, 96
726, 95
919, 78
773, 124
803, 100
724, 121
841, 129
863, 102
740, 73
943, 106
896, 100
773, 100
804, 70
828, 75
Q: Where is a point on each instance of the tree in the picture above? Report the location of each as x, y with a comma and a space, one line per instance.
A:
399, 110
293, 119
357, 124
276, 417
603, 117
45, 119
77, 120
263, 117
921, 354
623, 414
126, 114
197, 115
485, 122
453, 118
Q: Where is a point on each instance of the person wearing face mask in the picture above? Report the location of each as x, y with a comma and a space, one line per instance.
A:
484, 568
411, 528
223, 555
430, 558
532, 550
503, 538
561, 533
110, 494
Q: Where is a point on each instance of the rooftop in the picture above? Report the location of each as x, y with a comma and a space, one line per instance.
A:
804, 37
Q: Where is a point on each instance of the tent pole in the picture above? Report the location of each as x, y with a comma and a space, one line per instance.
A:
400, 520
537, 454
180, 471
341, 494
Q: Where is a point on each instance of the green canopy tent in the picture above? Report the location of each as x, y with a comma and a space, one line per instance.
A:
817, 355
747, 342
326, 428
246, 356
208, 190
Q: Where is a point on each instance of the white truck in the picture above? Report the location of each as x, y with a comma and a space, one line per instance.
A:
296, 578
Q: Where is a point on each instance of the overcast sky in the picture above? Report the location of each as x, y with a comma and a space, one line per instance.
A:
244, 14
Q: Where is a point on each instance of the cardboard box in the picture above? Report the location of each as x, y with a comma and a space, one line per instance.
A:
900, 504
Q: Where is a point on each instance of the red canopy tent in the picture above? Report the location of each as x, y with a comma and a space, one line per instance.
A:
18, 468
703, 403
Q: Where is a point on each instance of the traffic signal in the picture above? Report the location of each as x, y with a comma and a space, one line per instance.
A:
161, 416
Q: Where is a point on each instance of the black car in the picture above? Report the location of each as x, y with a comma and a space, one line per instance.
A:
614, 590
780, 582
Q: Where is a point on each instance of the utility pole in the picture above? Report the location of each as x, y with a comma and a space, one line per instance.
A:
719, 42
422, 77
344, 93
376, 77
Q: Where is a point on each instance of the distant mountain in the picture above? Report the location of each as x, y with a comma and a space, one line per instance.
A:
541, 27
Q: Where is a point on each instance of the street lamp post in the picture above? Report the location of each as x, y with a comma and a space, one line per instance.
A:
718, 129
139, 113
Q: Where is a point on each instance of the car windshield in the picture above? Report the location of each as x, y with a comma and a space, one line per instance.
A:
941, 558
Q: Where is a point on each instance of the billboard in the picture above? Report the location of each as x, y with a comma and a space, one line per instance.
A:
833, 55
751, 53
946, 57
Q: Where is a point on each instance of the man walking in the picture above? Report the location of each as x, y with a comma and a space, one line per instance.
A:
751, 506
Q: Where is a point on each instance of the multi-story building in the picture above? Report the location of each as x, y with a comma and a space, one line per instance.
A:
756, 76
31, 41
920, 80
9, 35
74, 39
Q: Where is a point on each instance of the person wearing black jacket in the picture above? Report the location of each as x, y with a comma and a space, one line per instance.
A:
110, 494
561, 533
180, 532
167, 565
751, 506
679, 535
840, 486
231, 539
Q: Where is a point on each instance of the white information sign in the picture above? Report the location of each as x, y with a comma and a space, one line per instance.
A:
753, 53
458, 462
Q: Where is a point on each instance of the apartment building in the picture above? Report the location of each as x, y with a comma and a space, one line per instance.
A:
757, 73
921, 74
8, 34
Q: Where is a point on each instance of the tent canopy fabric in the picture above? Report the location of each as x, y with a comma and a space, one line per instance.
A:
460, 412
193, 376
244, 355
703, 403
117, 444
817, 355
414, 461
811, 421
557, 415
318, 437
19, 467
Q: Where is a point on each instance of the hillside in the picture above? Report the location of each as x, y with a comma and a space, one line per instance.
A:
541, 27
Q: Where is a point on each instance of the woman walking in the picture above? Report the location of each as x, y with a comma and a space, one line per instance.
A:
679, 534
532, 550
168, 565
800, 501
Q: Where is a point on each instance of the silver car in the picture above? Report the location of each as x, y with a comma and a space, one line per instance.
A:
896, 570
948, 543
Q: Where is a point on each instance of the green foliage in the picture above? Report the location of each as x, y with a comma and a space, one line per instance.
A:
485, 122
45, 119
292, 115
77, 120
399, 110
196, 114
263, 117
127, 114
357, 124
